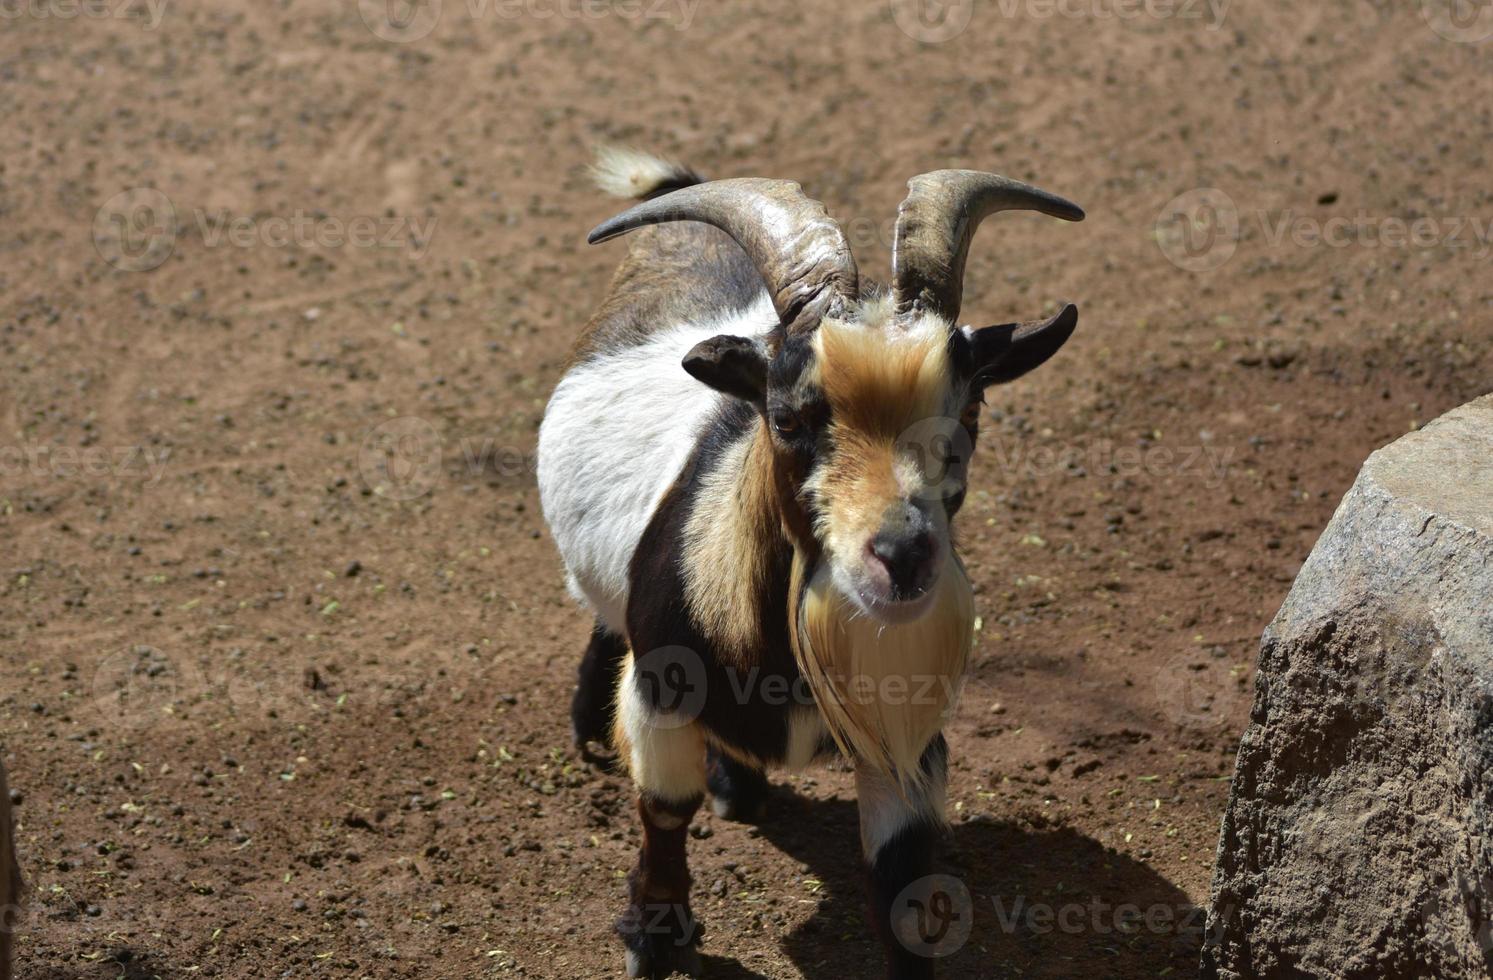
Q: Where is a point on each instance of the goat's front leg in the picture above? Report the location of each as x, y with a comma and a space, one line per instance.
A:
667, 754
910, 907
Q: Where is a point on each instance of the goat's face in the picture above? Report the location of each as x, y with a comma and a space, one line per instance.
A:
868, 425
872, 420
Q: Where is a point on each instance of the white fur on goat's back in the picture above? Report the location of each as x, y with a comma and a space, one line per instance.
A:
618, 432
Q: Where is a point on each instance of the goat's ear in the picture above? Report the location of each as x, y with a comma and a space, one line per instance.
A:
736, 366
1006, 352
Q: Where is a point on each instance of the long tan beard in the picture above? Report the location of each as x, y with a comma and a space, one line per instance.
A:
885, 690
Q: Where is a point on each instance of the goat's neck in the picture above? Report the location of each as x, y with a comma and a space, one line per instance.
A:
735, 541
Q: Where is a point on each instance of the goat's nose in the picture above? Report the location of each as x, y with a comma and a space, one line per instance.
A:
908, 560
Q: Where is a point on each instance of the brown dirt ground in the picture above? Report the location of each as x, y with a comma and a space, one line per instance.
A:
272, 714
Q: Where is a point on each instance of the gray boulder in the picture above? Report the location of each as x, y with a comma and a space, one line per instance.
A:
1358, 840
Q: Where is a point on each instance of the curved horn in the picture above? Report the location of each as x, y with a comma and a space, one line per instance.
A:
799, 250
935, 225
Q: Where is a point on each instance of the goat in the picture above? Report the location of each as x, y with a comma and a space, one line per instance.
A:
10, 880
764, 536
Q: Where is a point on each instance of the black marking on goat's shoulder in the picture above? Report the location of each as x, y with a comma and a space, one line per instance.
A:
731, 422
658, 615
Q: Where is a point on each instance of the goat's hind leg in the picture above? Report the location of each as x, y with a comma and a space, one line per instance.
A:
737, 791
596, 688
667, 756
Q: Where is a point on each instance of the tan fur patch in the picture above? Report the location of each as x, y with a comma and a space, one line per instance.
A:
885, 689
881, 378
880, 381
731, 533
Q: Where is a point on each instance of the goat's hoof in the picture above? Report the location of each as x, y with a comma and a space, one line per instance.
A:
583, 733
596, 752
661, 961
739, 811
589, 729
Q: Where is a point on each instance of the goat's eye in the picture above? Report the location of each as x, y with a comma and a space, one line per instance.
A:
971, 415
784, 423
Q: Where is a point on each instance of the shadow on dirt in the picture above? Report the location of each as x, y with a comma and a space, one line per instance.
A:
119, 964
721, 968
1045, 902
